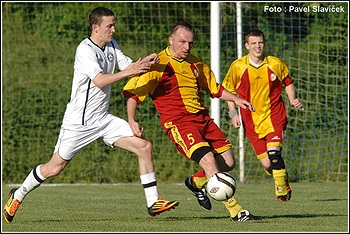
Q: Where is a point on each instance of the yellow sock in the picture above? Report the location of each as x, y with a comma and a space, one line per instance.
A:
199, 179
199, 182
232, 206
281, 180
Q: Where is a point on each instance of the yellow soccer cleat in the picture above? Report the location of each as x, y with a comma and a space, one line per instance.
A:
11, 206
161, 205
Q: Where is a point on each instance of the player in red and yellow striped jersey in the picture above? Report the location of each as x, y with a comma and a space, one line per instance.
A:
260, 79
174, 86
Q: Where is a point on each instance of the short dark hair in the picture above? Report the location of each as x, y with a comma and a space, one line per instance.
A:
255, 33
96, 14
181, 24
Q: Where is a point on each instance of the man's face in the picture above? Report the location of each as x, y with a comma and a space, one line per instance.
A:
106, 29
255, 46
181, 43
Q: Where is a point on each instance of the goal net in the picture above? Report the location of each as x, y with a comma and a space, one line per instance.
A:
38, 47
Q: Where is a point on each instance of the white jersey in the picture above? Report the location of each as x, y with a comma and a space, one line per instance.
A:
89, 103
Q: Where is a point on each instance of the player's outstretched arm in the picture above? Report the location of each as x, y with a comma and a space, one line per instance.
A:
244, 104
138, 67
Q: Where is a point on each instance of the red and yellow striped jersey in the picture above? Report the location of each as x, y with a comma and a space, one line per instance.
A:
174, 86
262, 86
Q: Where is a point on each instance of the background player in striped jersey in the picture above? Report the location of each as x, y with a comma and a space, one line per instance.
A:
174, 86
87, 117
260, 79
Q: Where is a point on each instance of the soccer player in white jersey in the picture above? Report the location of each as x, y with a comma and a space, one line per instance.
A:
87, 117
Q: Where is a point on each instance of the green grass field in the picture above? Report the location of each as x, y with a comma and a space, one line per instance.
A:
314, 207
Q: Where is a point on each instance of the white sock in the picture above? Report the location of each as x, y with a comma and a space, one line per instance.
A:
149, 184
33, 180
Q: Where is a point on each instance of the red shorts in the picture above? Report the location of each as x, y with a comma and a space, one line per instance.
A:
260, 145
195, 131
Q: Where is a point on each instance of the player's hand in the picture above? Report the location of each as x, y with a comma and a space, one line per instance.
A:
244, 104
152, 59
136, 129
139, 67
236, 122
297, 104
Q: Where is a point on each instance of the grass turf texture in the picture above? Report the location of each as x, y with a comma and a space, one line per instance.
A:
314, 207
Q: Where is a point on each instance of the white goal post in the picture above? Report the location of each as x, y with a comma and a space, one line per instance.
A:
215, 55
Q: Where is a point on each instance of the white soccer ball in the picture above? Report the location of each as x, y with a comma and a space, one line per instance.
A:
221, 186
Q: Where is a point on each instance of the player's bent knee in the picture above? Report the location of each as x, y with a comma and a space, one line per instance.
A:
226, 166
276, 159
148, 146
143, 147
226, 161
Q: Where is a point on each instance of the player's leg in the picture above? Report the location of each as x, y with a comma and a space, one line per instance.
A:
280, 175
269, 152
189, 142
68, 144
265, 161
119, 134
226, 162
34, 179
143, 149
224, 158
279, 172
196, 183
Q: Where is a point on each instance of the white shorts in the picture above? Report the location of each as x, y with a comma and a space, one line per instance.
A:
73, 138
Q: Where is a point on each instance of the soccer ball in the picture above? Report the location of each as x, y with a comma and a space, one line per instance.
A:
221, 186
